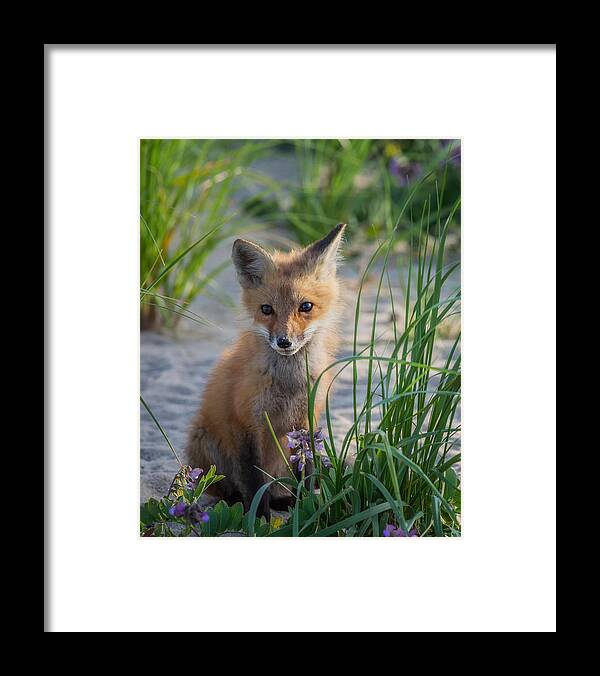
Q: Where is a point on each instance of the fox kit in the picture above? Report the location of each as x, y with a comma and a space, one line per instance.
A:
292, 300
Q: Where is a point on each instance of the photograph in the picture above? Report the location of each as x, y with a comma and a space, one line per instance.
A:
300, 291
300, 337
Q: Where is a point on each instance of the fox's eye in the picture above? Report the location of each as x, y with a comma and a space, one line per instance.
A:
306, 307
266, 309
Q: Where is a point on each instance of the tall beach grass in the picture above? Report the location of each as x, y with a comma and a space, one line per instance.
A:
187, 206
404, 436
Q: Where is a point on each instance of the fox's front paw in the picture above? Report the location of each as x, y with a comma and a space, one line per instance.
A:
281, 504
264, 508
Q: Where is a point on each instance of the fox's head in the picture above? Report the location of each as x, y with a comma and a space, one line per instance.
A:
289, 296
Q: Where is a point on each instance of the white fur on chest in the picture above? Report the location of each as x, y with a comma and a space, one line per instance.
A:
286, 397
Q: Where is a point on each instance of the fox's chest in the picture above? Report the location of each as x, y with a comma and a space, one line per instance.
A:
284, 395
286, 410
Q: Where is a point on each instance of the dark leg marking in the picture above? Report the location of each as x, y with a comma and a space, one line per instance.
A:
282, 503
309, 468
253, 479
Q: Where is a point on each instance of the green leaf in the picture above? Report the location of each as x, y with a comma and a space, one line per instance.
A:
354, 519
437, 522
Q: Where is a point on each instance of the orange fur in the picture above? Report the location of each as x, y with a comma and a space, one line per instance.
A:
254, 375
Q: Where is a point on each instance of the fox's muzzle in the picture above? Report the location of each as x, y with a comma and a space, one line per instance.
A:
287, 345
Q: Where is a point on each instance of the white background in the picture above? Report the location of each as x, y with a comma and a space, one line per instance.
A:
500, 575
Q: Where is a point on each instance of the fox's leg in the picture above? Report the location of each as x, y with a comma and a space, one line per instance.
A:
273, 465
195, 449
282, 503
242, 478
252, 479
203, 451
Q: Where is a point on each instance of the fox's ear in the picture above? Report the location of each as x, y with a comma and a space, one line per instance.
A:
251, 262
323, 255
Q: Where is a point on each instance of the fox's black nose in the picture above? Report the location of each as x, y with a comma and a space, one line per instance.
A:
283, 342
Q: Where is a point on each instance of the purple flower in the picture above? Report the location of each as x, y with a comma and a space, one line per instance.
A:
295, 438
196, 514
319, 441
193, 476
196, 473
192, 513
390, 531
412, 533
299, 441
178, 509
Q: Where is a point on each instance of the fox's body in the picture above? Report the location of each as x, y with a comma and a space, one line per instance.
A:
265, 370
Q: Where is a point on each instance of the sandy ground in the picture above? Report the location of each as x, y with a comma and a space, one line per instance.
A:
174, 368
